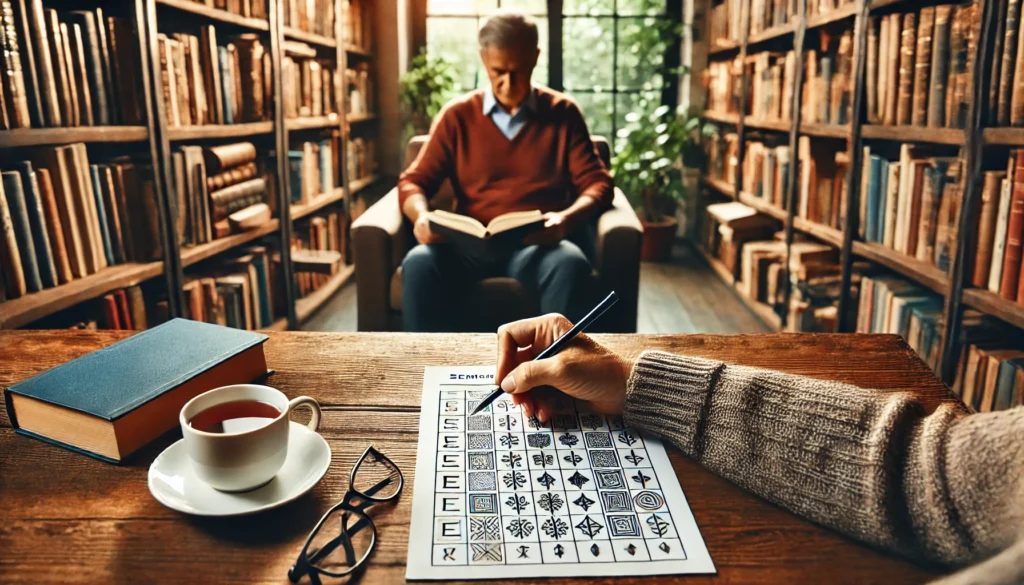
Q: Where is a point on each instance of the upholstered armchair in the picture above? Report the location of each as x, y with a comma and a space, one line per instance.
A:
382, 236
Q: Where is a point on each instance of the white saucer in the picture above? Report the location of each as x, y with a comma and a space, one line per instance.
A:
173, 484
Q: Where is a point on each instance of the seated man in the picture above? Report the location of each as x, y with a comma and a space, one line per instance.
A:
510, 147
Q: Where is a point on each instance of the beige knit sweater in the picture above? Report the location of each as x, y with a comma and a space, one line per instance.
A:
944, 488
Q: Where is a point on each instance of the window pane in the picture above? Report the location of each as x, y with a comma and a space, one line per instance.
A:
597, 110
534, 7
454, 40
631, 7
588, 6
461, 6
641, 54
540, 74
587, 53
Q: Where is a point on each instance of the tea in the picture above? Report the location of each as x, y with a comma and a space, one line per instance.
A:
237, 416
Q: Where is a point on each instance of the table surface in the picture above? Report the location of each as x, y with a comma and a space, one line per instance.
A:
69, 518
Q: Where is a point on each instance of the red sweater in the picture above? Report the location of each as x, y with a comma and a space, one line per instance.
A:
549, 163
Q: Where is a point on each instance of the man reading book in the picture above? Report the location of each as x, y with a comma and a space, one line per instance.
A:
510, 147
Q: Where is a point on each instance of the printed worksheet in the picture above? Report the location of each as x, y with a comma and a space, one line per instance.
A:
499, 495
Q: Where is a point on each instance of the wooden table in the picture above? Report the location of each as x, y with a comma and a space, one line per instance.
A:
66, 517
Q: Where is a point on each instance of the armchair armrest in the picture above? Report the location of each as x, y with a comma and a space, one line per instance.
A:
378, 246
617, 259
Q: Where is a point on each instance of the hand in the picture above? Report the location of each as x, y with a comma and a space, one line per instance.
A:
584, 369
555, 230
425, 235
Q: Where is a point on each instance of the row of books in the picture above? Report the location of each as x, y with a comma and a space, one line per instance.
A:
816, 281
74, 68
823, 7
359, 90
772, 77
206, 83
357, 23
308, 87
822, 167
1005, 95
911, 205
361, 158
314, 168
123, 309
219, 190
64, 218
766, 170
315, 16
238, 292
918, 66
724, 83
827, 96
990, 376
722, 155
246, 8
318, 250
997, 261
891, 304
766, 14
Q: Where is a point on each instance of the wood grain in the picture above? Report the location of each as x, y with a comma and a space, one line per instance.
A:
217, 14
64, 510
42, 136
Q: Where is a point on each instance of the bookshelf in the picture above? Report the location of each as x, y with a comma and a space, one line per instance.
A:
975, 140
271, 135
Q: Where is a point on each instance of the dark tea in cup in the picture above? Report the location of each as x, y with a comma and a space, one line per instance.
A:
237, 416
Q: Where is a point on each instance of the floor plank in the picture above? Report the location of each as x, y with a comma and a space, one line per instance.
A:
681, 296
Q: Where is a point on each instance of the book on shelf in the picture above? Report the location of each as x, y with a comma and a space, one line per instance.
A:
766, 170
918, 66
318, 250
768, 14
991, 376
133, 308
240, 292
357, 24
313, 16
821, 166
64, 218
722, 155
246, 8
727, 226
203, 82
314, 169
828, 79
816, 284
308, 87
772, 76
68, 68
724, 83
891, 304
361, 158
358, 90
110, 403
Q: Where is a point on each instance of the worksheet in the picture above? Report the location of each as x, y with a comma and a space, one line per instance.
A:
500, 495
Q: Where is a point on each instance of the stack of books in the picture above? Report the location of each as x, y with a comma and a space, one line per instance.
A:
362, 163
890, 304
359, 90
822, 166
207, 83
722, 155
75, 68
729, 226
990, 376
772, 77
911, 205
63, 218
314, 168
828, 79
997, 259
357, 24
726, 23
307, 83
314, 16
917, 66
766, 170
816, 280
237, 292
317, 250
724, 80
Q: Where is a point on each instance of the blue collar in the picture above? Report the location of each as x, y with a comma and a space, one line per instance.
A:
490, 102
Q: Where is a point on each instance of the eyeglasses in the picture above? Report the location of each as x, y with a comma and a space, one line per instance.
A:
344, 538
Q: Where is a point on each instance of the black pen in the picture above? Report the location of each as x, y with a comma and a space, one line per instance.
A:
559, 343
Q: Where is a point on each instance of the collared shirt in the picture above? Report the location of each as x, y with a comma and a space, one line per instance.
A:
508, 124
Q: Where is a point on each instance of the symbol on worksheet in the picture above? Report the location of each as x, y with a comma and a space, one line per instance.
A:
449, 553
515, 480
481, 461
595, 550
523, 549
546, 480
658, 525
584, 502
555, 527
512, 460
627, 438
507, 422
508, 441
480, 422
517, 503
483, 504
484, 528
578, 479
641, 478
664, 547
634, 458
589, 527
480, 440
598, 440
591, 421
568, 439
649, 500
631, 549
623, 525
538, 440
543, 459
559, 550
564, 422
486, 552
616, 502
615, 422
573, 458
520, 528
550, 502
609, 479
482, 481
603, 459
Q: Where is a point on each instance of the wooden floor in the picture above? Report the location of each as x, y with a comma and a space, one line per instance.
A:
683, 296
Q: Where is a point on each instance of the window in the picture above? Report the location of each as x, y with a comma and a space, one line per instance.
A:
609, 61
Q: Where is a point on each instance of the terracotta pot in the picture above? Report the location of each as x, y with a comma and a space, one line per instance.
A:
658, 239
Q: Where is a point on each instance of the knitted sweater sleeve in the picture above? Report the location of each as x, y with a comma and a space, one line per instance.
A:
945, 487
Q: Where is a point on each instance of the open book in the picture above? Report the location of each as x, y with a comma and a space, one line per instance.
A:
503, 232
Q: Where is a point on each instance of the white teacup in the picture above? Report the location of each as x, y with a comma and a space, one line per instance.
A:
252, 450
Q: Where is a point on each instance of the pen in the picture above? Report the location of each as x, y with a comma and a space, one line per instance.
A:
559, 343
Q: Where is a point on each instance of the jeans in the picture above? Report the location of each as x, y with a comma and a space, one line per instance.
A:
436, 278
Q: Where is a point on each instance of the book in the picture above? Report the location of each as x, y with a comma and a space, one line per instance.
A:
999, 240
109, 403
37, 220
10, 257
22, 229
1014, 233
990, 196
504, 231
922, 66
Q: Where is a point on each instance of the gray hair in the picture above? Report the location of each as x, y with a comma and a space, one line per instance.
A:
509, 30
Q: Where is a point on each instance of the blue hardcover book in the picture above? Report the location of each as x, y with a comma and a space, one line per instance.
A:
326, 181
22, 230
871, 219
37, 220
1004, 382
883, 199
97, 190
111, 402
263, 284
228, 87
295, 175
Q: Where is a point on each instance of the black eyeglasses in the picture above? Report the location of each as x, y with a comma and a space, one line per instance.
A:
344, 538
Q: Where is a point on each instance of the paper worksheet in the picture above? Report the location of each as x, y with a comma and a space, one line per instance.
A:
499, 495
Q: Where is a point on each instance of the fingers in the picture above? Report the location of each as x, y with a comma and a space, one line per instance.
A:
531, 374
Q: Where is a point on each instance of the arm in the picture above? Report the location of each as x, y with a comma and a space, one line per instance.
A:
943, 487
425, 175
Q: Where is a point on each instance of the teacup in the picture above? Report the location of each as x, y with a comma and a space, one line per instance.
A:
237, 436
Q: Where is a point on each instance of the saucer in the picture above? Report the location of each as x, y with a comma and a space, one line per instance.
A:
173, 483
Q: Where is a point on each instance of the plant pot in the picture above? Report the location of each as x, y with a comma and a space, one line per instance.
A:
658, 239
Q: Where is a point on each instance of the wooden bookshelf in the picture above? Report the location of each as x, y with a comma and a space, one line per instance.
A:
211, 131
312, 122
217, 14
833, 16
308, 37
308, 305
1003, 136
825, 130
357, 185
827, 234
772, 33
733, 119
190, 256
722, 48
357, 51
717, 266
24, 310
720, 186
913, 134
912, 268
992, 304
762, 206
763, 312
51, 136
776, 125
358, 118
324, 200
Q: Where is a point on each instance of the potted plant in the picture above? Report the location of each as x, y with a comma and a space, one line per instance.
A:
425, 89
653, 154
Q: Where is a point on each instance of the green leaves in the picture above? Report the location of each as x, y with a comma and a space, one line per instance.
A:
424, 89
